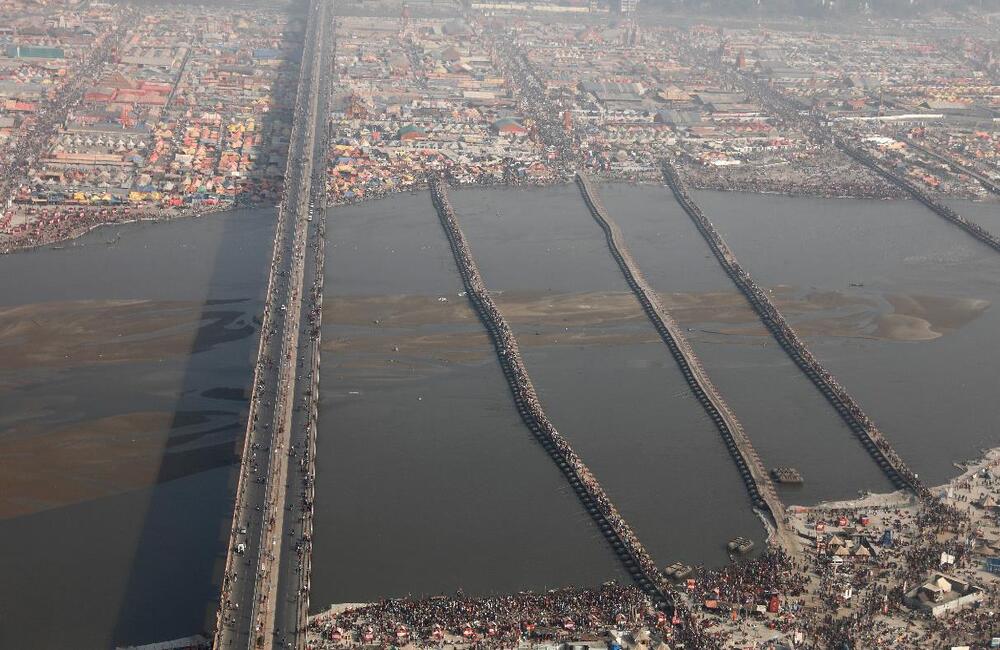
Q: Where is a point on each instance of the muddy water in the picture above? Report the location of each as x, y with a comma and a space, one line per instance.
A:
428, 482
123, 371
608, 384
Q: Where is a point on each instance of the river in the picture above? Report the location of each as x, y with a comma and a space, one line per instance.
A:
124, 377
125, 371
427, 481
920, 355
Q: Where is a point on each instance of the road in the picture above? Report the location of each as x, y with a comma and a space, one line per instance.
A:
292, 584
260, 576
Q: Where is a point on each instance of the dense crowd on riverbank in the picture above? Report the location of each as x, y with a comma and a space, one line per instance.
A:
490, 621
54, 225
827, 176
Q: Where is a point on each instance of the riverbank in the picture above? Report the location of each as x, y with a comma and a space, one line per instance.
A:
864, 558
57, 236
697, 180
990, 460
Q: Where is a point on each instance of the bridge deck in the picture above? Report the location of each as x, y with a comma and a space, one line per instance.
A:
755, 476
254, 588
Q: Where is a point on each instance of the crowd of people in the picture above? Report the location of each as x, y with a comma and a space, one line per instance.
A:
823, 172
750, 581
861, 604
489, 621
533, 100
879, 587
49, 226
857, 604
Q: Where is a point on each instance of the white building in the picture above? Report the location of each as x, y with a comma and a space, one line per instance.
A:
943, 593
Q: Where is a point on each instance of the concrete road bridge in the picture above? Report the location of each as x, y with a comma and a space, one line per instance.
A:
264, 592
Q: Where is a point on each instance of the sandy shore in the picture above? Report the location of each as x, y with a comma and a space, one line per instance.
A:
870, 315
67, 334
54, 451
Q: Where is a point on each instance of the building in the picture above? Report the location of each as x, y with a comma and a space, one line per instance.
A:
410, 132
943, 593
847, 547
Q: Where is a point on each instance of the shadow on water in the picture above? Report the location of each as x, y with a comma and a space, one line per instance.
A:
121, 470
158, 597
158, 593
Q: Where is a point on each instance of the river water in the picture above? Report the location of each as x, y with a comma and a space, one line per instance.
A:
924, 364
605, 378
427, 481
789, 422
124, 372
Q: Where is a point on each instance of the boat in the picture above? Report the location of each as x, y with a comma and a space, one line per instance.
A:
740, 545
787, 475
857, 284
678, 571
